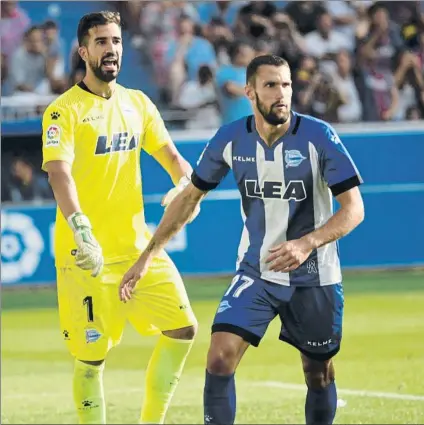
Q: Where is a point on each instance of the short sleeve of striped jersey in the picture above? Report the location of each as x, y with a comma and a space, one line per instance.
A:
212, 166
337, 166
58, 135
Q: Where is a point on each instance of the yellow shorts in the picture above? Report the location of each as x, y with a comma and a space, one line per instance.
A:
92, 317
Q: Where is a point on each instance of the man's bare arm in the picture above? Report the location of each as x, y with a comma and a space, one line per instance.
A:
349, 216
63, 185
173, 162
176, 215
233, 89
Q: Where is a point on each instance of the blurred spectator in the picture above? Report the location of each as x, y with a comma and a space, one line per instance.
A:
186, 54
381, 52
162, 18
410, 82
325, 42
264, 46
326, 99
290, 45
199, 97
55, 56
131, 12
371, 49
350, 109
224, 10
13, 24
28, 67
383, 43
304, 82
231, 80
264, 9
4, 71
305, 14
159, 25
413, 114
6, 196
77, 65
195, 50
419, 53
380, 96
344, 17
313, 91
26, 185
362, 18
254, 20
221, 37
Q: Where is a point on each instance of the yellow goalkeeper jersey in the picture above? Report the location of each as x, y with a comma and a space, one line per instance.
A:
101, 140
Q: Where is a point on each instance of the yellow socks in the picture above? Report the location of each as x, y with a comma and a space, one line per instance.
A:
88, 393
162, 376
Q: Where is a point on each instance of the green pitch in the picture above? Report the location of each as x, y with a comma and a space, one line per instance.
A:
380, 369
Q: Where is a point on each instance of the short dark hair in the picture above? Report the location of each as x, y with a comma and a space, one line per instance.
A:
50, 25
32, 29
95, 19
257, 62
204, 73
217, 21
235, 47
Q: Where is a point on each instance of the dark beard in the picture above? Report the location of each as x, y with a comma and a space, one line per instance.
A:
269, 116
105, 76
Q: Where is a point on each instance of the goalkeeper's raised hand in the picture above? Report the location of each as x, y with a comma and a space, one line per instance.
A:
89, 255
175, 191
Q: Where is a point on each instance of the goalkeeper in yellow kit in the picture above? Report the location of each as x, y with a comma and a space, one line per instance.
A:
92, 137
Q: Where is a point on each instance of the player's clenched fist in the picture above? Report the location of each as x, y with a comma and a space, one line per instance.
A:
89, 255
131, 278
288, 255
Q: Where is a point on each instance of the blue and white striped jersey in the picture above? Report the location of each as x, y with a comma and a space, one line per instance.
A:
286, 191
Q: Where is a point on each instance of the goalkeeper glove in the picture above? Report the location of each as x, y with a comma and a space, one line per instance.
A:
89, 254
182, 184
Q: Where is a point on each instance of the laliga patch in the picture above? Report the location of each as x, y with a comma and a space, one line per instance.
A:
294, 158
53, 135
92, 335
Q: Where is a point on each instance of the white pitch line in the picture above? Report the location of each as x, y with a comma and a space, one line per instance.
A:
341, 391
270, 384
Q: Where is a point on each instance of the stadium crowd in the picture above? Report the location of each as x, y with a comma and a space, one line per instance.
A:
351, 60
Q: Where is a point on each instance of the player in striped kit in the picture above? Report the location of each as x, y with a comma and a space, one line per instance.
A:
287, 167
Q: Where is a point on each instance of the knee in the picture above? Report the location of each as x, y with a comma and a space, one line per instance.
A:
318, 374
222, 360
187, 333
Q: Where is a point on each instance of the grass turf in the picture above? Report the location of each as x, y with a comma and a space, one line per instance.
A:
382, 355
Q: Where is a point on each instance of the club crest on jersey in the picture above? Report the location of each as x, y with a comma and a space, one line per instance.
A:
335, 139
53, 135
293, 158
224, 305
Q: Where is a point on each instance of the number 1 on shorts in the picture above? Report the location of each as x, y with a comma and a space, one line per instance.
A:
89, 301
